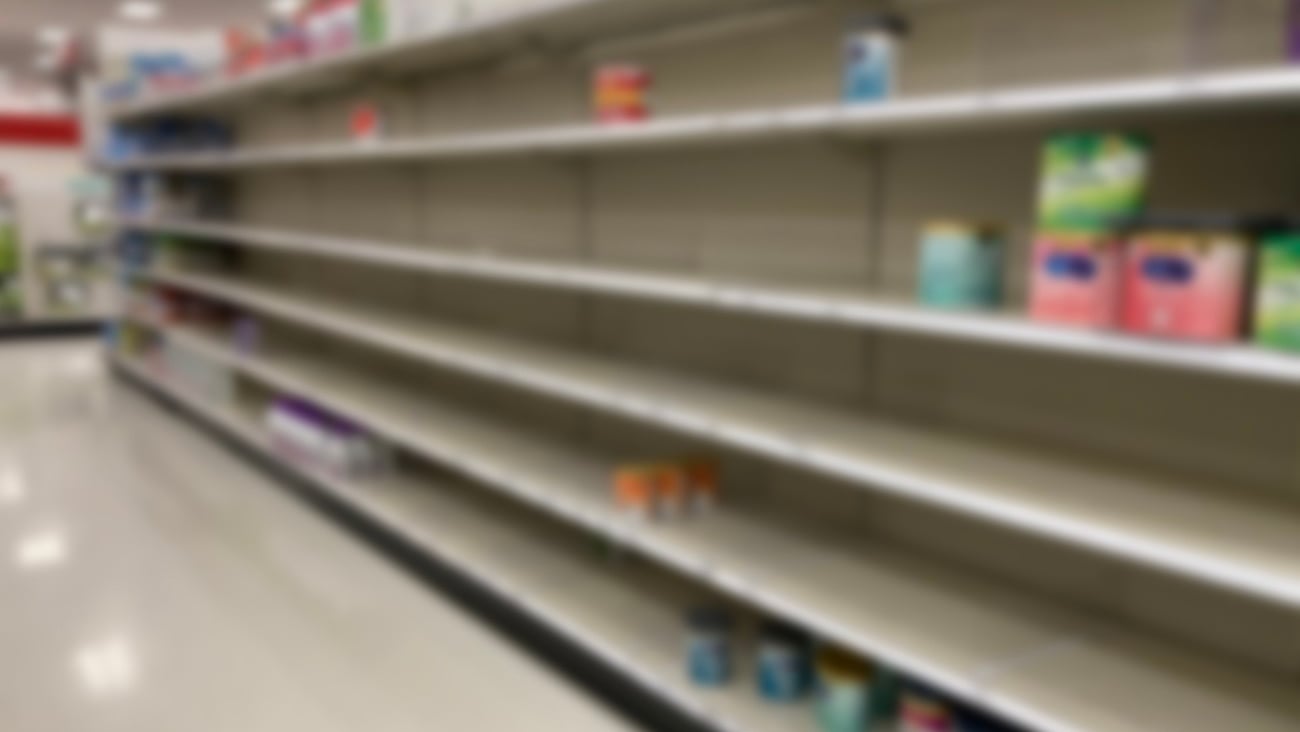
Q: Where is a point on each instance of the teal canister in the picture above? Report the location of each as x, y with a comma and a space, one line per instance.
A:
961, 265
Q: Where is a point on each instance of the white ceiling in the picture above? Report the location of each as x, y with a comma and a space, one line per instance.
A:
20, 19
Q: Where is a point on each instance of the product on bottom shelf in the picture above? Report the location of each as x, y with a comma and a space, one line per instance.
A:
1090, 180
1277, 291
669, 489
710, 646
871, 58
784, 663
621, 93
1185, 276
845, 694
305, 431
922, 709
1075, 280
961, 265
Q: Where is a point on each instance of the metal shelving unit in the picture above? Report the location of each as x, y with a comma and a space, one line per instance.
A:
1066, 563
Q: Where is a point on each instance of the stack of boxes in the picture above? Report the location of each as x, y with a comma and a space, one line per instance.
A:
1089, 181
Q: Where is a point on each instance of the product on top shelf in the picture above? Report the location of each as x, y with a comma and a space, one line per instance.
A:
1075, 280
286, 41
160, 71
961, 265
373, 22
709, 646
332, 26
1277, 290
871, 58
621, 93
1090, 180
783, 670
247, 50
1185, 276
410, 18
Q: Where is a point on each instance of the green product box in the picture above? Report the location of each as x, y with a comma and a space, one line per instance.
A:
1090, 179
8, 249
1277, 292
374, 22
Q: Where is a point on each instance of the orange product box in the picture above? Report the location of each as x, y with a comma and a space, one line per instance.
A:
703, 482
636, 489
621, 93
672, 487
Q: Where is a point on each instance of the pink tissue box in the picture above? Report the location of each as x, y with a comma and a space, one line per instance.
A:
1075, 280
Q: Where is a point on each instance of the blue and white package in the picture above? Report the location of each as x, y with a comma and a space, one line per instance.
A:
870, 59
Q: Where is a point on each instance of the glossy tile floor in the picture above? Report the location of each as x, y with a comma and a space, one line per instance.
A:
151, 581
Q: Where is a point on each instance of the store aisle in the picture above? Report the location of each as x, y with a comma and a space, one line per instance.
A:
151, 581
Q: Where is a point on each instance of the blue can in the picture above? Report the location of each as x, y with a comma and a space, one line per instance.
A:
709, 646
784, 672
